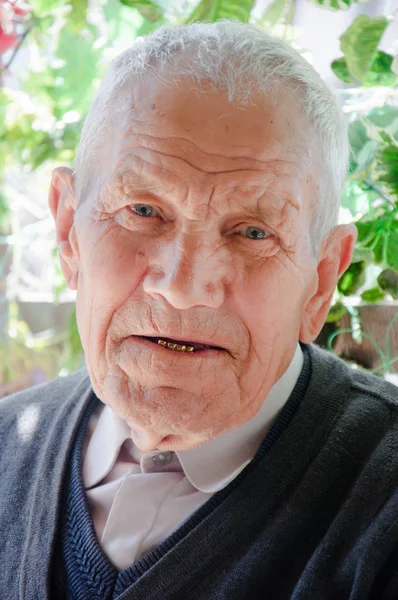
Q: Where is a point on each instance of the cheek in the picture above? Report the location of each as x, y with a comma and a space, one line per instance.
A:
270, 305
110, 270
271, 300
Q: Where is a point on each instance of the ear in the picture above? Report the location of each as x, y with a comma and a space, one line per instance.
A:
335, 258
62, 203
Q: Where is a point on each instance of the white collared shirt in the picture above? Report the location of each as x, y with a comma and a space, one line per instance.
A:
138, 499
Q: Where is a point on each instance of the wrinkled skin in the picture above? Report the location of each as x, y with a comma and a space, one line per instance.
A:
211, 173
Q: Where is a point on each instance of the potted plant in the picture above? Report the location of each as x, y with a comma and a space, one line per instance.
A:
363, 321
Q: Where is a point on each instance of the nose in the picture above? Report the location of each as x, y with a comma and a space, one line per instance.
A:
188, 273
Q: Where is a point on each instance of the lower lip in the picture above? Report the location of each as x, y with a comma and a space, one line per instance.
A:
157, 346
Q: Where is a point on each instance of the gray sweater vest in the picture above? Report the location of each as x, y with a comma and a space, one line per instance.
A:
314, 516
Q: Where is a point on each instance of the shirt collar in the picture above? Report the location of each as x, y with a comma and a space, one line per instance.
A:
210, 467
107, 432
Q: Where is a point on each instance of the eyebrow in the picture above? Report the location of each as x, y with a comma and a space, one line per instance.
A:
131, 182
265, 211
265, 203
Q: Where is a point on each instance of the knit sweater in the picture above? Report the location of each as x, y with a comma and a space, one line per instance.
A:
313, 516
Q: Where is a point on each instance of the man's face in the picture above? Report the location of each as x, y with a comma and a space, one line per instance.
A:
197, 229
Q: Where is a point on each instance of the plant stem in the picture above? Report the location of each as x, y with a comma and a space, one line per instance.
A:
374, 186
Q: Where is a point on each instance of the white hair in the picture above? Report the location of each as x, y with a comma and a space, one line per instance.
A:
236, 59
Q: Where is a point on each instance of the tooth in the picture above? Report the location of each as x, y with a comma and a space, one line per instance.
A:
176, 347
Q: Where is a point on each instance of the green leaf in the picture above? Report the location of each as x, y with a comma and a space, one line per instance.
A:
359, 44
388, 281
391, 250
76, 76
340, 69
336, 4
384, 116
276, 12
41, 152
352, 279
378, 248
373, 295
77, 19
43, 7
148, 9
364, 158
358, 138
362, 254
379, 73
387, 167
42, 24
385, 245
378, 134
214, 10
336, 312
366, 231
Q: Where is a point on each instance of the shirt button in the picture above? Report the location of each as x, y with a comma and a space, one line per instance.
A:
162, 459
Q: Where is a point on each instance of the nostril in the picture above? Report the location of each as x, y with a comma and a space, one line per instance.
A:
183, 288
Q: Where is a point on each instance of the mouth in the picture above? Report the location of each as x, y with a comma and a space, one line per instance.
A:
180, 345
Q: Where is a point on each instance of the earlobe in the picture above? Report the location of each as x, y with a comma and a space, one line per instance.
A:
62, 204
335, 258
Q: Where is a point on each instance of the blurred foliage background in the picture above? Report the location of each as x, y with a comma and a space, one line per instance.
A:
52, 56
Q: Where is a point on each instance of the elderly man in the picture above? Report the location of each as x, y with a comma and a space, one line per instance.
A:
201, 221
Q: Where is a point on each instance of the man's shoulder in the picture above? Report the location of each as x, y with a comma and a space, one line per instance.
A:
380, 389
46, 395
357, 381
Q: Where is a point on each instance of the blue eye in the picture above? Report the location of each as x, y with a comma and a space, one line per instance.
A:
256, 233
142, 210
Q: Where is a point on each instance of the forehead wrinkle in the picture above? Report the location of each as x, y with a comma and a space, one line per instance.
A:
183, 147
273, 172
197, 174
269, 151
195, 171
130, 138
